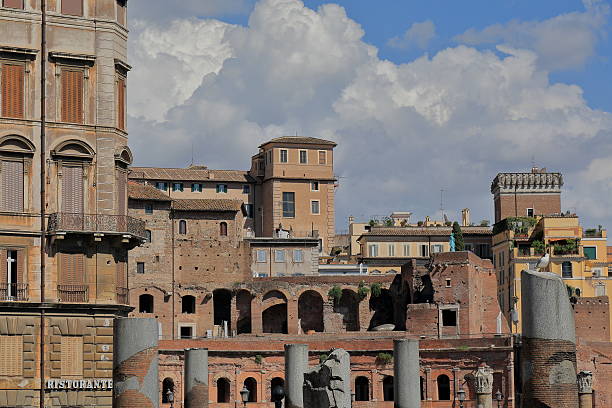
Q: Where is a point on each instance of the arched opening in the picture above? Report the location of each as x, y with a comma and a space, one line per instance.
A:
223, 229
222, 304
243, 305
148, 236
223, 390
382, 306
426, 294
188, 304
274, 315
362, 389
167, 386
182, 227
388, 388
443, 388
251, 385
145, 303
310, 311
422, 389
348, 307
276, 382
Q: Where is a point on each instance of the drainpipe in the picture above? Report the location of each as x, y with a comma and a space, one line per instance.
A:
43, 147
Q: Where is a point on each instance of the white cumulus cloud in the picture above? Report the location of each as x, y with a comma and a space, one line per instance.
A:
418, 35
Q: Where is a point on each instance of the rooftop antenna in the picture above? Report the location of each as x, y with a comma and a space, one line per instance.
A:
192, 153
442, 200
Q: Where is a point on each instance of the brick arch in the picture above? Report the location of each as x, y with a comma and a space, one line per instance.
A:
321, 292
274, 314
244, 306
285, 293
310, 311
214, 392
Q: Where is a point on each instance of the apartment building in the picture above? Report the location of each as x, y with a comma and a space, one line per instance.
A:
64, 229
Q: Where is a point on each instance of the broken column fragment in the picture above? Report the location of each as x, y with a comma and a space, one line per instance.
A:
196, 378
328, 385
296, 364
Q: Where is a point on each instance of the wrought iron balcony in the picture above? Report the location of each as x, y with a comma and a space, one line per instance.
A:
97, 224
73, 293
13, 292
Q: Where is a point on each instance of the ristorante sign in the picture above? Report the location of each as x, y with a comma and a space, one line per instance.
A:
89, 384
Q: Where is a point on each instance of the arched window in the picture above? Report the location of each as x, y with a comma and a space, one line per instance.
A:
167, 385
223, 229
182, 227
443, 388
362, 389
148, 236
223, 390
566, 269
388, 388
251, 385
145, 303
14, 169
188, 304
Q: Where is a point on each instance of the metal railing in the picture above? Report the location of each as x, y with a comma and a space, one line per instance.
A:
73, 293
13, 292
101, 223
122, 296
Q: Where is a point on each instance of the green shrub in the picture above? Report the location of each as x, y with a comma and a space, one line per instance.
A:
538, 246
376, 289
335, 293
362, 290
258, 359
384, 358
322, 358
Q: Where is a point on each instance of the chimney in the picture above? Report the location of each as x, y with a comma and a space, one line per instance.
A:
465, 217
351, 219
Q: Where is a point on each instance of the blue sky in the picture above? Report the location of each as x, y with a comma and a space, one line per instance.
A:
420, 96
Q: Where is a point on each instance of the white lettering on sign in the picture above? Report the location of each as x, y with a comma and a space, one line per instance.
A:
89, 384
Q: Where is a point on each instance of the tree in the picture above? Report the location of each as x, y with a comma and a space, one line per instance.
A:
459, 244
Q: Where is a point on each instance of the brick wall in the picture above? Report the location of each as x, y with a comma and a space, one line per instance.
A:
543, 204
592, 318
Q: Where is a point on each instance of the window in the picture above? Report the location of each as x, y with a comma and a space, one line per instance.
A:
121, 103
13, 90
449, 317
246, 189
443, 388
530, 212
11, 356
12, 188
406, 249
298, 255
436, 248
279, 255
223, 390
303, 156
600, 290
249, 210
448, 283
121, 11
222, 188
424, 250
72, 94
467, 247
161, 185
590, 252
388, 388
72, 7
186, 332
251, 385
566, 270
148, 236
145, 303
16, 4
148, 208
196, 187
269, 156
261, 255
314, 186
362, 389
182, 227
322, 157
188, 305
315, 207
177, 186
140, 267
391, 249
373, 250
167, 388
283, 156
288, 205
71, 356
223, 229
12, 271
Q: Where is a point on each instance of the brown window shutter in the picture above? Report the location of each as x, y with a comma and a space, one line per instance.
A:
17, 4
121, 104
3, 268
121, 192
121, 275
72, 356
11, 356
72, 7
12, 90
72, 269
21, 264
72, 96
72, 189
12, 186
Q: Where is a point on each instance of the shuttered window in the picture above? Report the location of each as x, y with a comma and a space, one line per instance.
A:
121, 275
3, 267
13, 90
17, 4
121, 192
72, 269
72, 189
11, 190
322, 157
72, 356
121, 104
72, 96
11, 356
121, 6
72, 7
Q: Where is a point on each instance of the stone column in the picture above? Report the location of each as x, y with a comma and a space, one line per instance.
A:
406, 374
135, 363
548, 362
585, 389
483, 378
328, 385
196, 378
296, 364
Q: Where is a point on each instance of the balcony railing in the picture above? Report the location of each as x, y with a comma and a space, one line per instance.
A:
73, 293
96, 223
122, 296
13, 292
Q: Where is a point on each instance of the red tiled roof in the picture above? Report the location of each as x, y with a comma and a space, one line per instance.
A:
210, 204
195, 173
145, 192
424, 231
300, 140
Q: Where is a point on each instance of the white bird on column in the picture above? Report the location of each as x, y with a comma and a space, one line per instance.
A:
543, 262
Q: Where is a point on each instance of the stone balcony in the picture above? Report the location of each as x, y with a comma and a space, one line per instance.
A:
98, 225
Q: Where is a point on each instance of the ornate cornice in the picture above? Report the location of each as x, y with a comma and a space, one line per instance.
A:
527, 182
